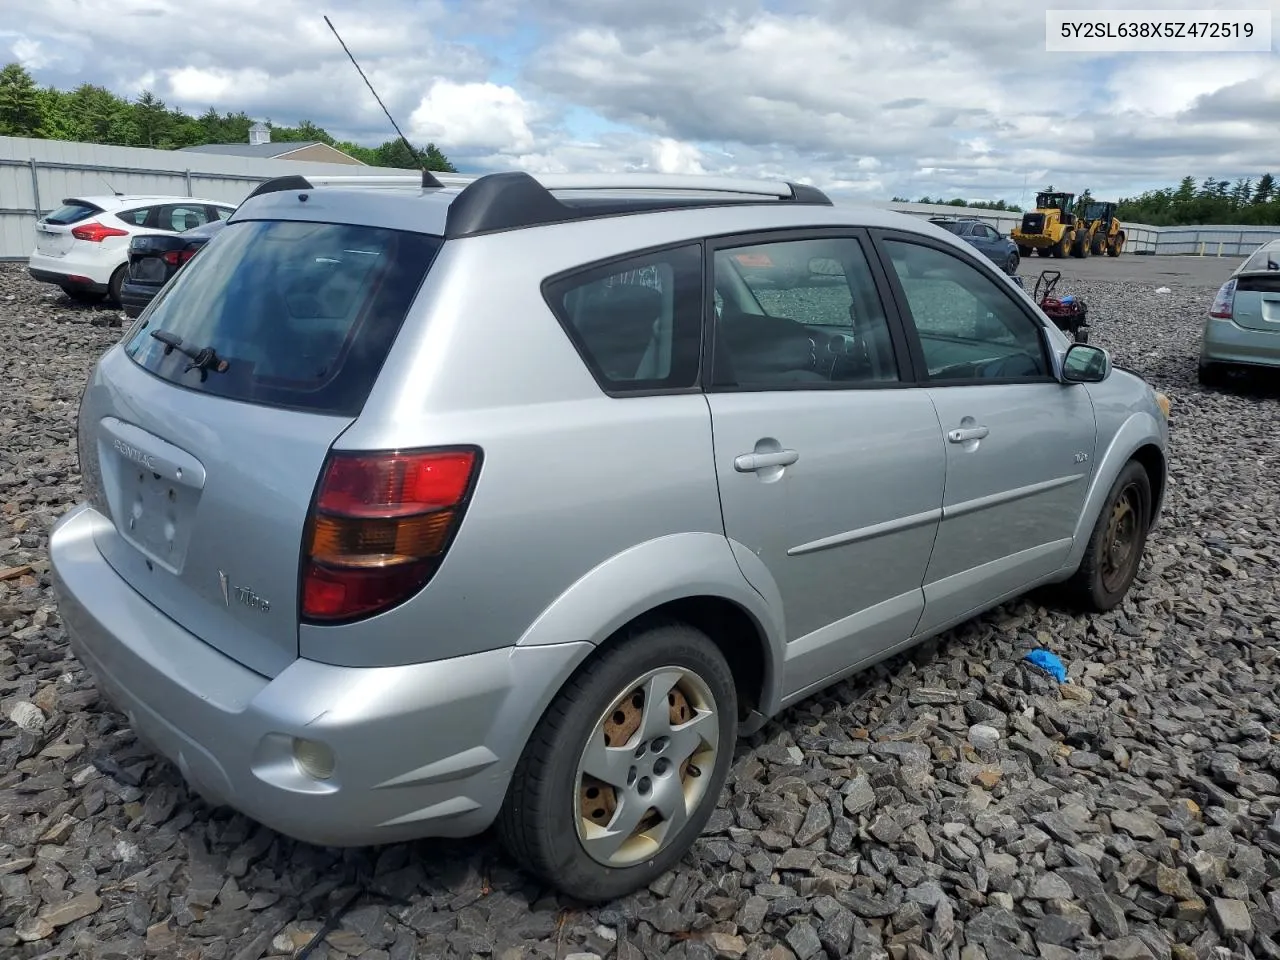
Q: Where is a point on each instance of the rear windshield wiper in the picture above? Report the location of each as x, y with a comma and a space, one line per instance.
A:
203, 359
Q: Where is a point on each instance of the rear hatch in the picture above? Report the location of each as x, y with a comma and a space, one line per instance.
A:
1257, 296
53, 233
155, 257
207, 463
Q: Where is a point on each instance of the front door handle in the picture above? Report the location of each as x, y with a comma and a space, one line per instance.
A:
751, 462
965, 434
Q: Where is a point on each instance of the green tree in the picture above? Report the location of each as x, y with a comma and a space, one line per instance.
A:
1265, 189
93, 114
21, 104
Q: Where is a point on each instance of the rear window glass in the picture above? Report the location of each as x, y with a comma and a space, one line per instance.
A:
303, 314
72, 212
1263, 261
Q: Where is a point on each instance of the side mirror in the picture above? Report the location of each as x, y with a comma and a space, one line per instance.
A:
1085, 363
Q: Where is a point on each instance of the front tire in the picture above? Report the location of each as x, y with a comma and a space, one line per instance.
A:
1115, 548
1011, 265
1115, 249
625, 767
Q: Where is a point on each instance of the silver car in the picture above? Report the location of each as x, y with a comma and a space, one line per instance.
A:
1242, 329
412, 509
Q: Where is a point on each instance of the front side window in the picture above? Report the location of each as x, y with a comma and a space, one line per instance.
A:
800, 311
637, 323
969, 328
183, 217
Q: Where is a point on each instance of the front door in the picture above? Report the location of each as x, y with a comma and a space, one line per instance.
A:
830, 466
1019, 444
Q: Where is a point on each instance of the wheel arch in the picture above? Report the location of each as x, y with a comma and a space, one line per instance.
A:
1136, 439
692, 578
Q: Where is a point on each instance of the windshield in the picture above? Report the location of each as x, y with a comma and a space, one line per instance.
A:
298, 314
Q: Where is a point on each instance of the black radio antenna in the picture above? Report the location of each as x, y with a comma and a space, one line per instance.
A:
427, 179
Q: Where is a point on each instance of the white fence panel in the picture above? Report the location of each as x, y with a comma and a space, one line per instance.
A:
35, 176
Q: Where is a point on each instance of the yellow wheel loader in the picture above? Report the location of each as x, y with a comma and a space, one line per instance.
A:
1049, 229
1098, 231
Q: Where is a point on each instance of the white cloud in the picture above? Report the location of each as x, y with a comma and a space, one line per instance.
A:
474, 116
672, 156
871, 98
31, 54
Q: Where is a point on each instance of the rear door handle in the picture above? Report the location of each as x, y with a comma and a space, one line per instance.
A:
967, 433
751, 462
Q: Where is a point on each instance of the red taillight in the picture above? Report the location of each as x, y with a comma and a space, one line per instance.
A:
176, 258
96, 232
380, 527
1224, 303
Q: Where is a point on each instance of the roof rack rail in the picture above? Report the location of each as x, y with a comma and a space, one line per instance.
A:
293, 181
509, 201
488, 203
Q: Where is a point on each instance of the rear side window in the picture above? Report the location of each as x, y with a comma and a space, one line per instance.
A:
637, 323
136, 217
303, 314
72, 212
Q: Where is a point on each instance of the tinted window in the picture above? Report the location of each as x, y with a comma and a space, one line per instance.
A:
72, 212
950, 225
1265, 259
303, 313
969, 328
800, 311
136, 218
637, 323
183, 217
222, 213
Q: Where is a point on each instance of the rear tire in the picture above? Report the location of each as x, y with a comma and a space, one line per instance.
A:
1063, 246
1211, 375
1114, 552
1025, 251
116, 283
81, 295
1115, 249
563, 824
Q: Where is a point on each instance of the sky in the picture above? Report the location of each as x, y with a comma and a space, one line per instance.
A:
865, 98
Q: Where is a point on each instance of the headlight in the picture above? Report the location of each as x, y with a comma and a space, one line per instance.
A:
1164, 403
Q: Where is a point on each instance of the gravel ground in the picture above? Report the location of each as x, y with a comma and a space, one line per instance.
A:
953, 803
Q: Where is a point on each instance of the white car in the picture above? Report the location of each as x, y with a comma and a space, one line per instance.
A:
83, 246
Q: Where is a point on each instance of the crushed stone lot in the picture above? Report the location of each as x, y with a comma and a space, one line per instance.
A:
953, 802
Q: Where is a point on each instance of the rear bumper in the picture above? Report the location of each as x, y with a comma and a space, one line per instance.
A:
1225, 341
94, 267
421, 750
69, 279
135, 296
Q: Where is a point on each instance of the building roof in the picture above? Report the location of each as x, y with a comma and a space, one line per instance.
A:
261, 151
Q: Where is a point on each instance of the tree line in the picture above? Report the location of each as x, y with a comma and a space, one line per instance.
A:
93, 114
957, 202
1246, 201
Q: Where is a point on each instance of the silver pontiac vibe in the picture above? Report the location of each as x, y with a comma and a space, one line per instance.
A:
413, 507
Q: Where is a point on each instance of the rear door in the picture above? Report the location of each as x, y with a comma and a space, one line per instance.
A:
53, 232
1019, 444
830, 467
208, 472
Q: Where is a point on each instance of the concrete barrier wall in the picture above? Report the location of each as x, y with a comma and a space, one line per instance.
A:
35, 176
